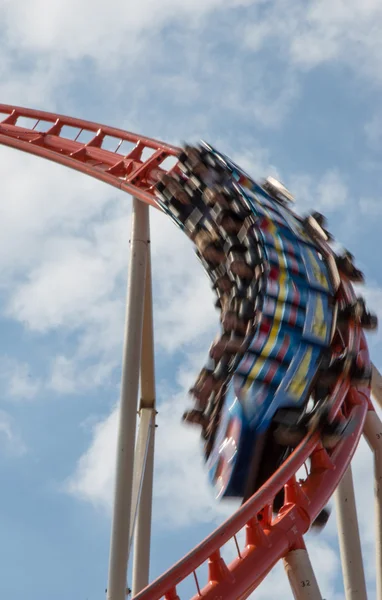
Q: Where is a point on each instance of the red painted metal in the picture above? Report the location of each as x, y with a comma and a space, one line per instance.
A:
129, 172
267, 539
266, 545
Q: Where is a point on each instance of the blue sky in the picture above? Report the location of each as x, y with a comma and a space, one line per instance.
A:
286, 89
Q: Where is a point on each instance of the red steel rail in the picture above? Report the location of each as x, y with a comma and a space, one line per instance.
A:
267, 539
43, 134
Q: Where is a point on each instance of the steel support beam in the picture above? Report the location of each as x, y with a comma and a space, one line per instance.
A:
349, 539
376, 384
373, 435
301, 575
119, 544
141, 555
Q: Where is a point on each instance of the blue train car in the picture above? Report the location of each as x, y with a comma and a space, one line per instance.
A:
283, 359
292, 320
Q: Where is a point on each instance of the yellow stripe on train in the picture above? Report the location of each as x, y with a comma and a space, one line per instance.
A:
260, 362
282, 288
319, 327
273, 334
300, 380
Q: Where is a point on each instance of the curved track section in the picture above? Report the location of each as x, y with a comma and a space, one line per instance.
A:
270, 528
284, 313
103, 155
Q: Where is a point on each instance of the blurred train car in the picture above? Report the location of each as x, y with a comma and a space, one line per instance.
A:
266, 387
279, 369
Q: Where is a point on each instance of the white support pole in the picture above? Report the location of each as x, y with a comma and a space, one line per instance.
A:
140, 459
349, 539
376, 384
141, 555
373, 434
301, 575
119, 544
141, 563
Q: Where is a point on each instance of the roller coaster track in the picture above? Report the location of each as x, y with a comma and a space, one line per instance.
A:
267, 538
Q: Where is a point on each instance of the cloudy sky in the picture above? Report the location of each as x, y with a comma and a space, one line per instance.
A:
285, 88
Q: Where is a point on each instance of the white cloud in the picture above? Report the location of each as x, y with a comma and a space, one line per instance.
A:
181, 490
298, 37
10, 440
328, 192
69, 375
331, 190
41, 199
26, 30
264, 98
94, 477
255, 160
18, 381
70, 280
310, 34
67, 283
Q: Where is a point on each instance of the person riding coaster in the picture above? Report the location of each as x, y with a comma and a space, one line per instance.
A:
277, 285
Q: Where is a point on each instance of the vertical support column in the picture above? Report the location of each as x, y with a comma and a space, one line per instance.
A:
141, 564
301, 575
373, 434
141, 451
142, 536
376, 384
119, 544
349, 540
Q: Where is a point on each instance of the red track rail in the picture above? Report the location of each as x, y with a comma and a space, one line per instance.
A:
44, 136
266, 540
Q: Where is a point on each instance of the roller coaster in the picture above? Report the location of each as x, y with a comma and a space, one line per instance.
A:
287, 382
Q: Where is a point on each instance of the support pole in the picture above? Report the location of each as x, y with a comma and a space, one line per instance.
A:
119, 544
141, 564
376, 384
140, 459
349, 539
373, 434
301, 575
141, 555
